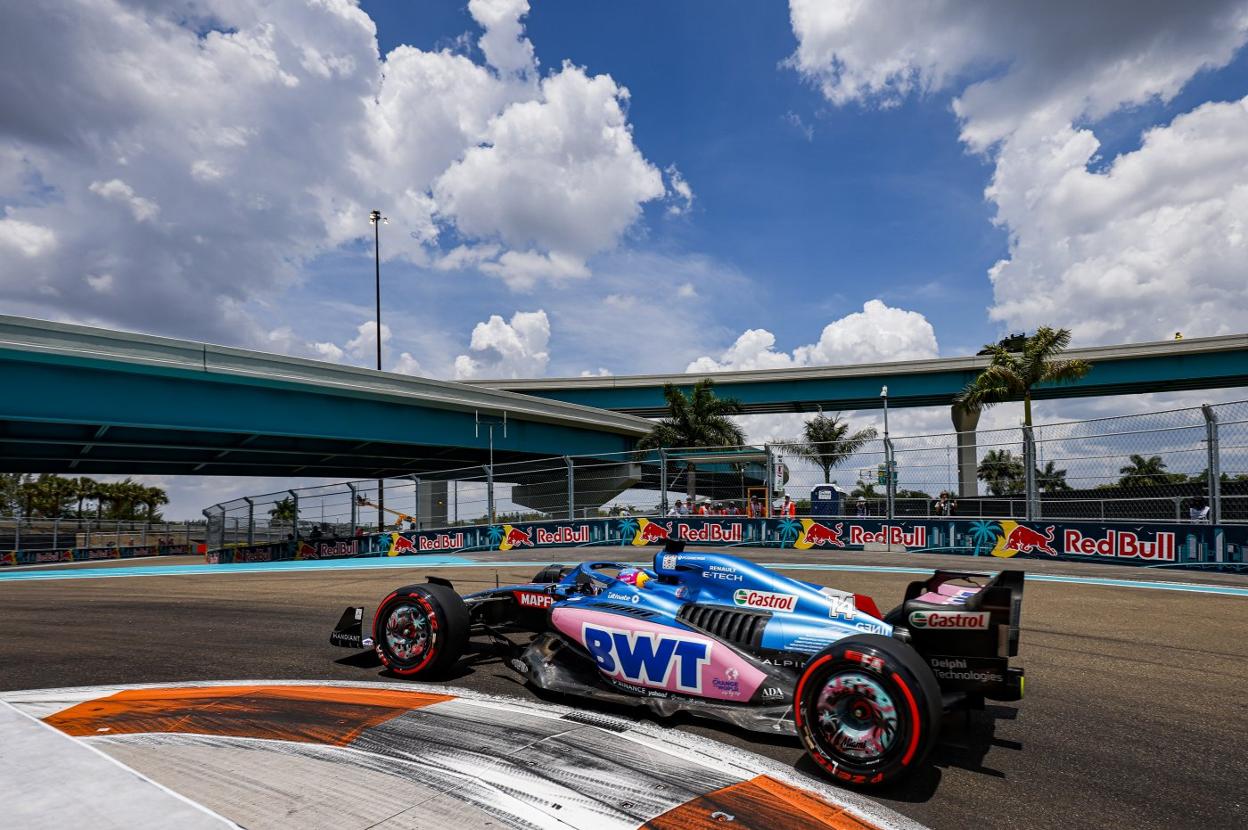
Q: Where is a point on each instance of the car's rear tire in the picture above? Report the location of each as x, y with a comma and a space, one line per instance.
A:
421, 630
867, 709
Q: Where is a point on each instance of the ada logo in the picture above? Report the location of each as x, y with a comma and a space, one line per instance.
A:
950, 620
648, 658
765, 599
529, 599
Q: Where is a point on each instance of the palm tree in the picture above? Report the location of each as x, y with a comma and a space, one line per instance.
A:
699, 420
1012, 374
827, 442
1002, 471
152, 498
283, 512
866, 489
1145, 472
84, 488
1050, 479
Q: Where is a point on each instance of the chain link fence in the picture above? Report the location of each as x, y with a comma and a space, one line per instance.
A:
1174, 466
40, 534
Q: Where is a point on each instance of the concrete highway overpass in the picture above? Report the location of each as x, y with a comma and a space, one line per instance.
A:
1196, 363
80, 401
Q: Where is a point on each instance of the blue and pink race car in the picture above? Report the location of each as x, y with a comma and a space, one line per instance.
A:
720, 637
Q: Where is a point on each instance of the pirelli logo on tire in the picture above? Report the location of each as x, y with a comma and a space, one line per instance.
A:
950, 620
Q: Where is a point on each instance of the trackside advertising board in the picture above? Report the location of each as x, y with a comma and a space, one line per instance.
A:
1125, 544
45, 557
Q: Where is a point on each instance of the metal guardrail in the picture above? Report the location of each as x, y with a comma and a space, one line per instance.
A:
1156, 467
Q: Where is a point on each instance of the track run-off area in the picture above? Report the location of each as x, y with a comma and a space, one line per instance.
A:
1132, 717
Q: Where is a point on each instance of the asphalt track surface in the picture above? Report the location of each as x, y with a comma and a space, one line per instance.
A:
1134, 713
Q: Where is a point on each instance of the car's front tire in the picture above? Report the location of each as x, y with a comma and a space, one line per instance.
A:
421, 630
867, 709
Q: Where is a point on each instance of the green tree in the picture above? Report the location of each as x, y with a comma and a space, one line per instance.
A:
152, 498
827, 441
1050, 479
1011, 375
11, 493
866, 489
698, 420
283, 512
1147, 472
1002, 471
84, 489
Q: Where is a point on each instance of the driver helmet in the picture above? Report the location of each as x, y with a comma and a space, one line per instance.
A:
634, 576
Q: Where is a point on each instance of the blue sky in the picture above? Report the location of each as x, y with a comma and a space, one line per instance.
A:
628, 187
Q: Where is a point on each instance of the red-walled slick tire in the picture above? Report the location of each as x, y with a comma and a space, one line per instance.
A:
420, 630
867, 708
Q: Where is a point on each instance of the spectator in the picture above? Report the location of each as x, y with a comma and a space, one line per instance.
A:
944, 505
316, 532
788, 507
862, 507
1198, 512
678, 509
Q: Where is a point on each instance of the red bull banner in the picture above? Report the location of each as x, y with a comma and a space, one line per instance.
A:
1125, 544
50, 557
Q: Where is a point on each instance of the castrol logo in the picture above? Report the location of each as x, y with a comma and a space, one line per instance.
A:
764, 599
950, 620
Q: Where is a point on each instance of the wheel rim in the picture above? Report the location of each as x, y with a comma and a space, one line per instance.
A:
856, 717
407, 633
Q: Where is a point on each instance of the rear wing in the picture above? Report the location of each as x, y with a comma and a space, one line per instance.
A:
966, 625
348, 632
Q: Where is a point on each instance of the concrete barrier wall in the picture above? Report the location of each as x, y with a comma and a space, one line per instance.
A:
42, 557
1124, 544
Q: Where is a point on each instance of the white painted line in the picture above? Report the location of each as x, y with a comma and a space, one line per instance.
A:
49, 779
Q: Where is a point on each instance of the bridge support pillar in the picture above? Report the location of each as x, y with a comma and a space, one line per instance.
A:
965, 421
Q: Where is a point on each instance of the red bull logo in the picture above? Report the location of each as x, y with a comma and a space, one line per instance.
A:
653, 533
889, 535
710, 532
648, 531
400, 545
578, 535
1121, 544
816, 535
514, 537
441, 541
305, 551
1025, 540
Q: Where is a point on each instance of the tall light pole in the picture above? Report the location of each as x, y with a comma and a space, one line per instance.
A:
888, 458
377, 220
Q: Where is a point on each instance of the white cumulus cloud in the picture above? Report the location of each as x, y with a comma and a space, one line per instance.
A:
507, 349
877, 334
1129, 250
203, 152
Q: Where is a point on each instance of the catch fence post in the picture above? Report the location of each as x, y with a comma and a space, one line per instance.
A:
56, 526
251, 520
889, 466
489, 491
294, 495
567, 459
416, 481
355, 514
768, 478
17, 532
1215, 472
663, 480
1032, 511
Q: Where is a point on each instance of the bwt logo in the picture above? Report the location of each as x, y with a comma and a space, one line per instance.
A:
648, 658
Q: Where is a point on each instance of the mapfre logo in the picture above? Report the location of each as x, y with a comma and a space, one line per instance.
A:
950, 620
764, 599
533, 600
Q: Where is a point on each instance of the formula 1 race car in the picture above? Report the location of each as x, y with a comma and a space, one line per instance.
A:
721, 637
